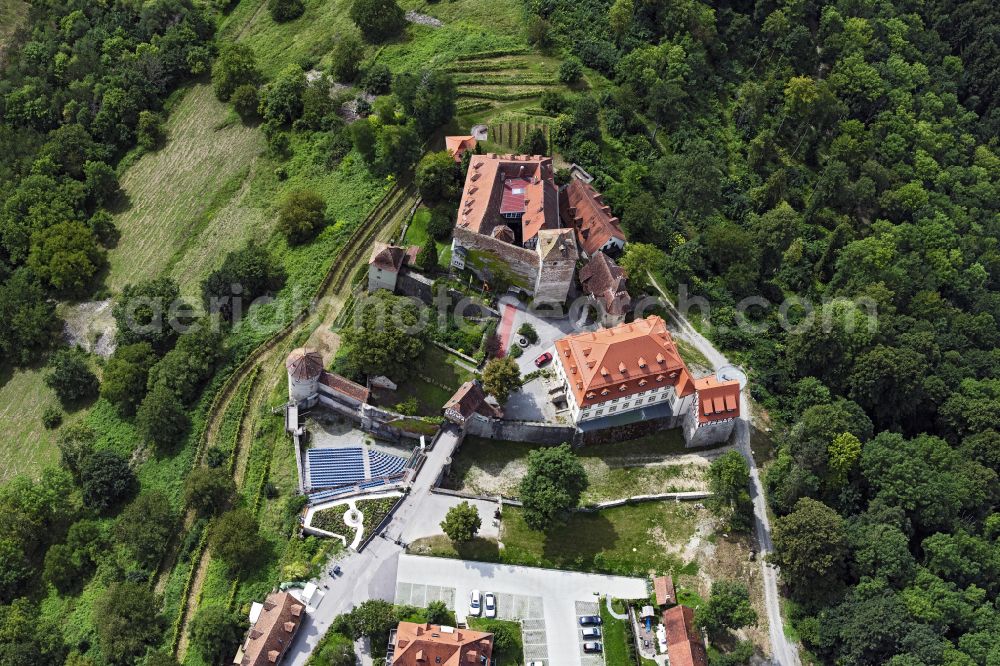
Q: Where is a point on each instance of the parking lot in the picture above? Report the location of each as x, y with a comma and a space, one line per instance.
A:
546, 601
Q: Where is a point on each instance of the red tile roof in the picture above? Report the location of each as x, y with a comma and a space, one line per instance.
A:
392, 257
469, 399
457, 145
717, 400
435, 645
684, 646
622, 361
273, 631
583, 208
512, 184
663, 587
603, 279
344, 386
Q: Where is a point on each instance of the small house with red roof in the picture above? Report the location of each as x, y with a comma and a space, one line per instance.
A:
470, 400
385, 264
459, 145
272, 630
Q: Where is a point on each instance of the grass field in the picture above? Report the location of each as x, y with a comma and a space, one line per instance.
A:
25, 446
615, 638
630, 540
623, 469
186, 201
416, 234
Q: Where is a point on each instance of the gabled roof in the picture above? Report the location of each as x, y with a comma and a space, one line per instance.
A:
304, 363
584, 209
622, 361
392, 257
457, 145
469, 399
684, 646
717, 400
663, 587
344, 386
273, 631
515, 185
603, 279
436, 645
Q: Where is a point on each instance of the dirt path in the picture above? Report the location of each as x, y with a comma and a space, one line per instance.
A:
270, 357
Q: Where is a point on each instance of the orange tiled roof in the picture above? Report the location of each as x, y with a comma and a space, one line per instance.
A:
684, 647
469, 399
622, 361
663, 587
512, 184
717, 400
457, 145
434, 645
584, 208
273, 631
344, 386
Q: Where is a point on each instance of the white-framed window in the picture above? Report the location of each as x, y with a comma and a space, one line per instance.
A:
626, 405
600, 411
611, 409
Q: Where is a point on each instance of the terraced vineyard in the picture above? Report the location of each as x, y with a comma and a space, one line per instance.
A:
494, 82
510, 133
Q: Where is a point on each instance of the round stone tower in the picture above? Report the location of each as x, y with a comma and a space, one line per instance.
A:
304, 368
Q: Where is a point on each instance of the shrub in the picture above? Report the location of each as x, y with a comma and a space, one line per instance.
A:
70, 376
345, 58
149, 132
440, 225
529, 332
571, 70
246, 99
301, 215
427, 259
285, 10
52, 417
106, 479
377, 79
236, 66
378, 20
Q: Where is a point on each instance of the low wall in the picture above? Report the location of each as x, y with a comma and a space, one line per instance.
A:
626, 432
686, 496
520, 431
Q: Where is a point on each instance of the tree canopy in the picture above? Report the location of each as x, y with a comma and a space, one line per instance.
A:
552, 486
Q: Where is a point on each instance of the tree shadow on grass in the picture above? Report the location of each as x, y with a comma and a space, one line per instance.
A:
580, 541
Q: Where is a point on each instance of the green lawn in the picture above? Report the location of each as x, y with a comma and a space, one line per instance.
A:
479, 549
616, 638
416, 234
629, 540
621, 469
437, 365
502, 656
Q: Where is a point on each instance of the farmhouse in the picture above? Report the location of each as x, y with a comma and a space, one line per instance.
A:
273, 625
508, 230
635, 366
412, 644
597, 230
385, 264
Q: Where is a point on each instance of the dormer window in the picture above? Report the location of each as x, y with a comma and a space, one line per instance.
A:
605, 392
621, 368
660, 378
622, 387
642, 382
660, 359
642, 362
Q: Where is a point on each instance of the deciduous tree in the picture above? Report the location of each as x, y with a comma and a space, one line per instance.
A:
462, 522
501, 376
552, 485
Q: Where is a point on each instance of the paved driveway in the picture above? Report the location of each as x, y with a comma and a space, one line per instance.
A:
545, 600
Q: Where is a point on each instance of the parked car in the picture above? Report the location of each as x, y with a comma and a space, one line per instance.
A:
475, 603
536, 663
490, 605
589, 619
593, 646
543, 359
591, 632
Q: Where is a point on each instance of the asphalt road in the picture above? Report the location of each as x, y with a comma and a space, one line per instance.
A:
783, 651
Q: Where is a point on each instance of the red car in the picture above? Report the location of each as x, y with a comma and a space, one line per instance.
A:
543, 359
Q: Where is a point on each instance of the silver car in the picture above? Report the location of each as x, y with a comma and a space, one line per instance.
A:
592, 632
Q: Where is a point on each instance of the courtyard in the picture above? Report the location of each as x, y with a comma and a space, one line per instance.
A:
547, 602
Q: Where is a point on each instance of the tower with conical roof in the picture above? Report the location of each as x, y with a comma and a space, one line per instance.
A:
304, 369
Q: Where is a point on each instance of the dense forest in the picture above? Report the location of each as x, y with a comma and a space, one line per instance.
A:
848, 151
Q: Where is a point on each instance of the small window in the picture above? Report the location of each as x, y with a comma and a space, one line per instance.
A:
626, 405
600, 411
611, 409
